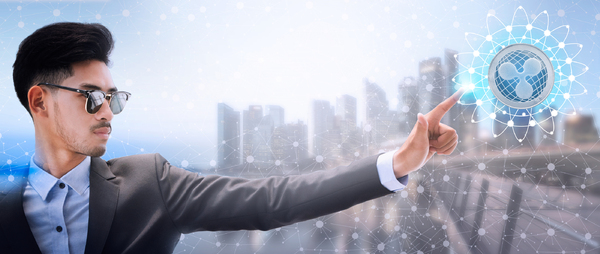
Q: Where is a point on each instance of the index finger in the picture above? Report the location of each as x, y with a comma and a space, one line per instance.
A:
438, 112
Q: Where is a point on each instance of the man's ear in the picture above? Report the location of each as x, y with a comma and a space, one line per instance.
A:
38, 100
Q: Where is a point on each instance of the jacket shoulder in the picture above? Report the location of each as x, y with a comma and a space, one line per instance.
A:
136, 159
146, 164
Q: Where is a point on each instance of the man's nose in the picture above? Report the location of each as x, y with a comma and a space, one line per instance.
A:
105, 113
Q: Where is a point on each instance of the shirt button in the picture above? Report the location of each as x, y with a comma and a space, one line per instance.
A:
59, 229
62, 186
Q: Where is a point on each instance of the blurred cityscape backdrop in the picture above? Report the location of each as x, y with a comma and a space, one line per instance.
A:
283, 88
256, 142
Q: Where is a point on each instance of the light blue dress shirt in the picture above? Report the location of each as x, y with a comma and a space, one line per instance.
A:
385, 169
58, 217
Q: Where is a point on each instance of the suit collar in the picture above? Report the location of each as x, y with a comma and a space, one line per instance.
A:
104, 194
100, 167
13, 222
103, 203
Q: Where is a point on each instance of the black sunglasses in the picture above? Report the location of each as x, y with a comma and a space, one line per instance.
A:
95, 99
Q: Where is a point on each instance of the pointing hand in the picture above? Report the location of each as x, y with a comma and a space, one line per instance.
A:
426, 138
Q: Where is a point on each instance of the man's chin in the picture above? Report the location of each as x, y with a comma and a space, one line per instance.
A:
96, 151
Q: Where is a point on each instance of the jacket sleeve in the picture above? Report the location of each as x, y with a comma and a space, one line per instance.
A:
197, 203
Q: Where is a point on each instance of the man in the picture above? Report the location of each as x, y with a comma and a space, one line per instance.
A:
68, 200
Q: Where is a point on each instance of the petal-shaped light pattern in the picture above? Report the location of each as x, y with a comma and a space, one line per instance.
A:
535, 30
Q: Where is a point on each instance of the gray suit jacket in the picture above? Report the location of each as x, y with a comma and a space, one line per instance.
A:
142, 204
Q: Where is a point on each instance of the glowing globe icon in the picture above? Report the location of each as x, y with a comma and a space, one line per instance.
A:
521, 76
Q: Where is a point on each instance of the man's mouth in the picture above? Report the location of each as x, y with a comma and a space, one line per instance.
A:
103, 132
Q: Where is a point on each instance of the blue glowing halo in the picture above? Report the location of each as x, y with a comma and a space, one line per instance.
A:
513, 106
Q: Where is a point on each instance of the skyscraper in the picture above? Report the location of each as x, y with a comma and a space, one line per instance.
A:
377, 104
277, 114
408, 106
319, 126
382, 125
432, 85
346, 110
289, 143
345, 113
262, 141
275, 133
580, 129
251, 136
228, 136
450, 79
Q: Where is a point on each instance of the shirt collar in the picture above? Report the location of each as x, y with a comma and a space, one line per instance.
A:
77, 178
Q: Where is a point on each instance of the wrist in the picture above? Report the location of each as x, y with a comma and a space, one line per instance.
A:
399, 164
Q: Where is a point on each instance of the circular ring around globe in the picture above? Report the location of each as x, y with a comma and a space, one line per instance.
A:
513, 89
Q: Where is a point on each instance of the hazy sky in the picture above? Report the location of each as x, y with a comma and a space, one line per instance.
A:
180, 58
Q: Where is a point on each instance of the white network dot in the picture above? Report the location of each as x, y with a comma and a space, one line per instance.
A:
401, 212
560, 51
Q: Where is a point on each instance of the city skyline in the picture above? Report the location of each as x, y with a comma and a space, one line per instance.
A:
335, 132
181, 59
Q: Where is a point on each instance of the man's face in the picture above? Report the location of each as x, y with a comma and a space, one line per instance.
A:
74, 128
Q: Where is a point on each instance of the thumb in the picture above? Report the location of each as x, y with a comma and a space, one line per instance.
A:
422, 125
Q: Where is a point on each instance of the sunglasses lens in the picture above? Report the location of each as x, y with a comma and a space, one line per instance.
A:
94, 102
118, 101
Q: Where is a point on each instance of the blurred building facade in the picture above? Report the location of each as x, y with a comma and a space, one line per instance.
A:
382, 124
580, 129
228, 136
408, 105
346, 122
320, 125
250, 132
432, 85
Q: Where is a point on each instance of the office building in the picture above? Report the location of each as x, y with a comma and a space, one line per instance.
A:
251, 137
382, 125
320, 125
277, 114
580, 129
228, 136
432, 84
408, 105
346, 115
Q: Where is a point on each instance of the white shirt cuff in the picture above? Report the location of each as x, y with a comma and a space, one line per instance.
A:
386, 173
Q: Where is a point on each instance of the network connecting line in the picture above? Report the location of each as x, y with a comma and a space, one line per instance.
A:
524, 98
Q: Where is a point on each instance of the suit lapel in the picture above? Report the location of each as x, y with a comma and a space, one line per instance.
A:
104, 195
12, 217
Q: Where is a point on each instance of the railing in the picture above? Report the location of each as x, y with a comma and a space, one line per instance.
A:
486, 221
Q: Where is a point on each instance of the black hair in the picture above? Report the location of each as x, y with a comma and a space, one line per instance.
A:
47, 55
